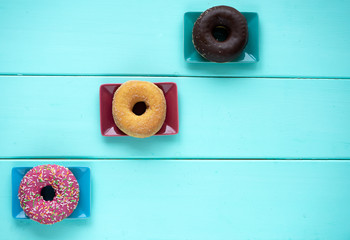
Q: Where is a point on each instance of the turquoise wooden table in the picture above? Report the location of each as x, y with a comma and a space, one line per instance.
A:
263, 150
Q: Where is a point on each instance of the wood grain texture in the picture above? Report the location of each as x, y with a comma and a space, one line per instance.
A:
297, 38
219, 118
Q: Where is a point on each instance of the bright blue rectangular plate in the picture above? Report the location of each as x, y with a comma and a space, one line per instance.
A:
250, 53
82, 174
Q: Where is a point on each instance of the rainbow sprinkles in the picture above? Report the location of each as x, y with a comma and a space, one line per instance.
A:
36, 201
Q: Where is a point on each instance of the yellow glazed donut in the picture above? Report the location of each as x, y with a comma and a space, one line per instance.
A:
139, 108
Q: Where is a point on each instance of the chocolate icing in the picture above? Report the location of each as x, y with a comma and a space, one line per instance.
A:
220, 34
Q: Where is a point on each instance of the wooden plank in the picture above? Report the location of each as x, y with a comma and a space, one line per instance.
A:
106, 37
145, 199
219, 118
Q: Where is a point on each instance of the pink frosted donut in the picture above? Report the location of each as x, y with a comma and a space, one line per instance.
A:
48, 193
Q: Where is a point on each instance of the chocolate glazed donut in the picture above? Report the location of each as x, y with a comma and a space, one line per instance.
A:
220, 34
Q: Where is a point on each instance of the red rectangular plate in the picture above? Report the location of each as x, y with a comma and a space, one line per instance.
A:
108, 127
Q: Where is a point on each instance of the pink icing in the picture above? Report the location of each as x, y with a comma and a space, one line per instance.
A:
66, 197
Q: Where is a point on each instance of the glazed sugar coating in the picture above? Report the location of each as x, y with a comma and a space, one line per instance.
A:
124, 99
66, 197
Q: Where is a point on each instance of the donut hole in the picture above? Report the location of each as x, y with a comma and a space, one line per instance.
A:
220, 33
139, 108
48, 193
